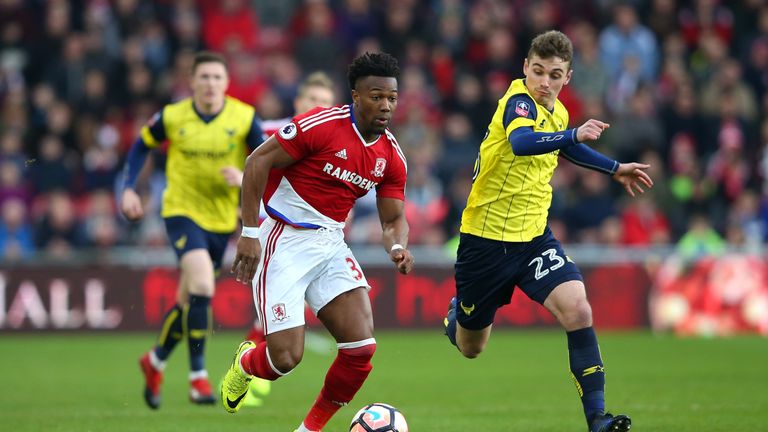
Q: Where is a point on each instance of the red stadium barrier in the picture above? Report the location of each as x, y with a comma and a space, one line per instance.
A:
122, 298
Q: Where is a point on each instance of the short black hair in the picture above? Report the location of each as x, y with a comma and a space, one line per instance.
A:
372, 64
208, 57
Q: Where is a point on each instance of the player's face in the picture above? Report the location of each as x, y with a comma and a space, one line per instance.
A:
376, 100
315, 96
209, 82
544, 78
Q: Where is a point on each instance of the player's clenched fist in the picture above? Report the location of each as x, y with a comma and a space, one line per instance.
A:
403, 260
591, 130
246, 259
131, 205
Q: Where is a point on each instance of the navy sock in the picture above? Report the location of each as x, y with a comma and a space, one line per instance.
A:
171, 333
197, 330
450, 323
587, 370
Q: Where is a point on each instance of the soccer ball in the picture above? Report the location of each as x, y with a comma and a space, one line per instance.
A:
378, 417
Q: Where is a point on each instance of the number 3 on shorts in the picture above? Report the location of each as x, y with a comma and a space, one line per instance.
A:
353, 267
555, 260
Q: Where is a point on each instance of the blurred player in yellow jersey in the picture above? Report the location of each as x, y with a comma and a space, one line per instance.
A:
505, 240
209, 135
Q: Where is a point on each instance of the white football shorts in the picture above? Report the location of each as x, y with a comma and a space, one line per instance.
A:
298, 265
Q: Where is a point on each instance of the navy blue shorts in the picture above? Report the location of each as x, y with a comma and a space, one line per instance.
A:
185, 235
487, 272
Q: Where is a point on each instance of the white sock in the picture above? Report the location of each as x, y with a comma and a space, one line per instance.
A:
202, 373
155, 361
303, 428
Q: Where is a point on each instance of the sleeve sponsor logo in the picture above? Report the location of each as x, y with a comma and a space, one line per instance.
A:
288, 131
522, 109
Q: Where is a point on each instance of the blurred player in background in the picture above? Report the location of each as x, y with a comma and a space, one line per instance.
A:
505, 240
310, 173
317, 90
210, 135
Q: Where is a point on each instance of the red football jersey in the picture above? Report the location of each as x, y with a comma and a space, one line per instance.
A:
334, 167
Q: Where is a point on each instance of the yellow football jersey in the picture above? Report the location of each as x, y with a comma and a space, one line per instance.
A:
197, 152
511, 194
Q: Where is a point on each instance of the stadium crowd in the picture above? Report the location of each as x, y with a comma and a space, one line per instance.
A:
682, 83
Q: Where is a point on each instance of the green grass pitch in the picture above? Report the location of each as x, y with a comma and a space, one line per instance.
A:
91, 382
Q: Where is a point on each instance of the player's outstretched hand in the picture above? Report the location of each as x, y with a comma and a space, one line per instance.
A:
403, 260
130, 204
591, 130
246, 259
232, 175
633, 177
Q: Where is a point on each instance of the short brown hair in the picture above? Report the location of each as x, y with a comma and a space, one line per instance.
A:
316, 79
552, 44
208, 57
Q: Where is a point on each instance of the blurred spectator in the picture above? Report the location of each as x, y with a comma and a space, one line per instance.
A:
54, 168
662, 19
100, 223
746, 228
59, 232
592, 204
728, 167
316, 48
636, 130
230, 25
700, 239
590, 79
682, 118
626, 41
643, 224
357, 21
728, 82
16, 241
459, 146
691, 190
425, 206
756, 71
706, 16
12, 184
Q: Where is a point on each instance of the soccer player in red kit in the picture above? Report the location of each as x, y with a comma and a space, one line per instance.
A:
309, 175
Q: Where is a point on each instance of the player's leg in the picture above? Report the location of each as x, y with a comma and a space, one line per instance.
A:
198, 270
339, 298
259, 388
349, 319
555, 281
568, 303
172, 330
278, 289
485, 277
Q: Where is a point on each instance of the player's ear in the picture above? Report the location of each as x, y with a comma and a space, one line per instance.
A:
568, 77
355, 97
525, 67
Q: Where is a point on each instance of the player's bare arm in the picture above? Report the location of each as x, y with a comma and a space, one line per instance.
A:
394, 228
130, 204
267, 156
633, 177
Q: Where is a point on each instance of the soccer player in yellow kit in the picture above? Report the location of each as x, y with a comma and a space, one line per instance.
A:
505, 241
210, 135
